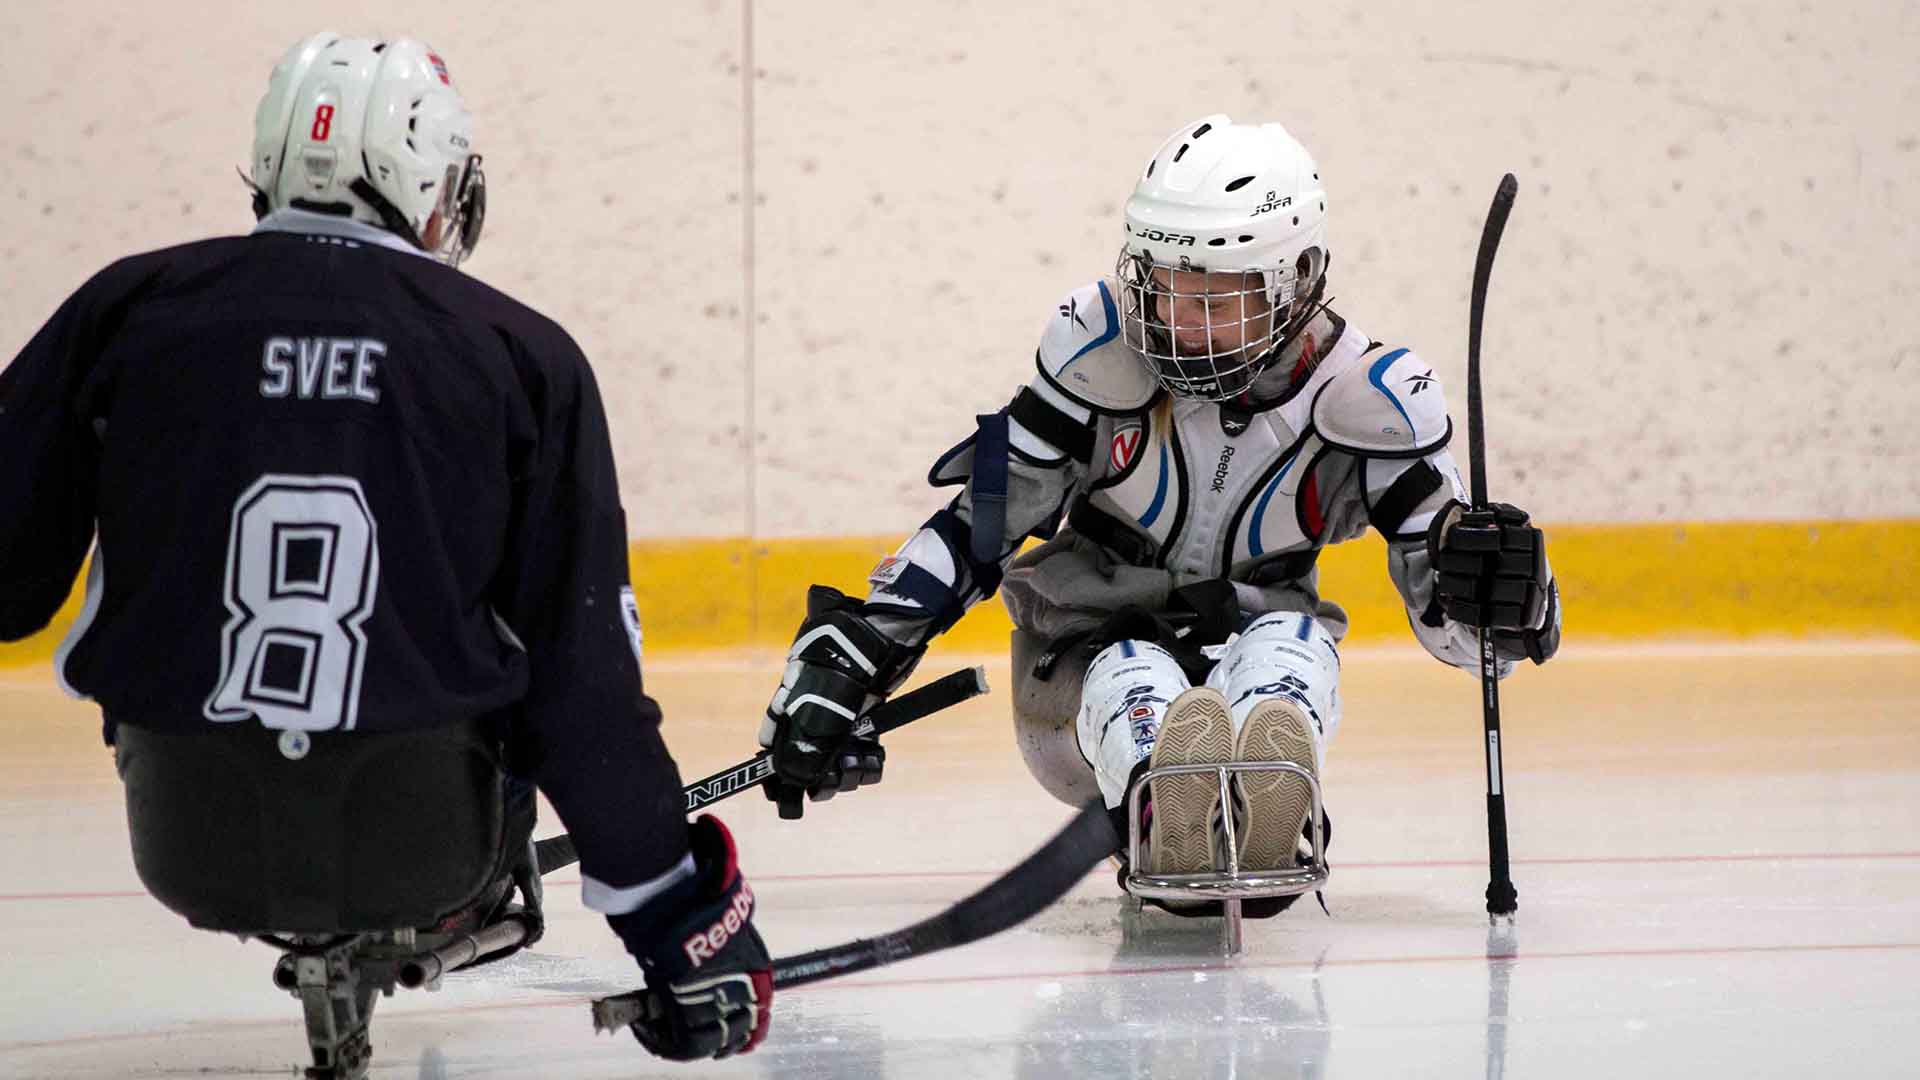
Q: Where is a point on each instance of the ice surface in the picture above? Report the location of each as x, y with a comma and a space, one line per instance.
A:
1717, 851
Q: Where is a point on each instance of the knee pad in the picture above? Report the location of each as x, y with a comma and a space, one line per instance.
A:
1046, 719
1123, 700
1284, 654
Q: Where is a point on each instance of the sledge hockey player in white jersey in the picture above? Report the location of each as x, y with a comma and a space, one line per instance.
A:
1204, 423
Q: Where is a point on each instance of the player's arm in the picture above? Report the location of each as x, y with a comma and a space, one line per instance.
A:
1015, 472
590, 736
51, 450
1392, 414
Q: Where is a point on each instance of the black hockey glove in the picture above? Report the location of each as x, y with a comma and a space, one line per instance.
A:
1490, 569
709, 978
838, 668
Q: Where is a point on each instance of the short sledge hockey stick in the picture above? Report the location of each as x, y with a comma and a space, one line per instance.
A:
1502, 898
1011, 899
943, 693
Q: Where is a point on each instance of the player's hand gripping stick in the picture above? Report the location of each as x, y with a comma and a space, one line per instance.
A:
945, 692
1502, 899
1008, 900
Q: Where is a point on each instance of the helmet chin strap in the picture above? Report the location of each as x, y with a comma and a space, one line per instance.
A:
262, 206
390, 215
1265, 361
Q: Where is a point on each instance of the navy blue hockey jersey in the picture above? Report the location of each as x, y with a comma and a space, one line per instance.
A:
336, 486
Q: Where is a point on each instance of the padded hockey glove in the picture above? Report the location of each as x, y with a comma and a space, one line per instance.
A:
709, 978
1490, 569
838, 668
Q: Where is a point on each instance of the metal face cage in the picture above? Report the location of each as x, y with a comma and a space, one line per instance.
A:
1205, 333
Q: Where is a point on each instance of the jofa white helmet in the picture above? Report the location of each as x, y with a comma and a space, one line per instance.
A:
1243, 199
374, 130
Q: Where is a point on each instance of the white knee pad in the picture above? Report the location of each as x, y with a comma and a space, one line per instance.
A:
1284, 654
1122, 702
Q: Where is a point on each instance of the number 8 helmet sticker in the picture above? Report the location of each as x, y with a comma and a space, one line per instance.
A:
303, 565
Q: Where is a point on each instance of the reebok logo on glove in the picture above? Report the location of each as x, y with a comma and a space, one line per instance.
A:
705, 945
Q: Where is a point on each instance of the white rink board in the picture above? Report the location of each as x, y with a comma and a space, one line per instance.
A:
1702, 310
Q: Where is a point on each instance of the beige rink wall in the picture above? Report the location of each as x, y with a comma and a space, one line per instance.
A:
804, 242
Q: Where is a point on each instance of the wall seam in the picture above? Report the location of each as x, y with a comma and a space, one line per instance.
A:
749, 309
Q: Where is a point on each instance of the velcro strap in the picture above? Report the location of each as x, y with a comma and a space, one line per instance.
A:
1109, 532
1407, 491
989, 488
955, 534
1291, 566
1041, 417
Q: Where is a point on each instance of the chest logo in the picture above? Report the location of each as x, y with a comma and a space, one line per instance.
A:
1220, 470
1125, 446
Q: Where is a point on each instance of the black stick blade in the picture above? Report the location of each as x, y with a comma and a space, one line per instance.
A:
1003, 903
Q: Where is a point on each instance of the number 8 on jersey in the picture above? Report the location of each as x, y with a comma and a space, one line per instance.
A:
302, 568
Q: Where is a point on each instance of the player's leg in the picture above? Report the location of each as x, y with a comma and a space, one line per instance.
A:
1281, 681
1137, 711
1045, 718
361, 831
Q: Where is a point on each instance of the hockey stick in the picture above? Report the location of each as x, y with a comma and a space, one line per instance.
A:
1502, 898
942, 693
1011, 899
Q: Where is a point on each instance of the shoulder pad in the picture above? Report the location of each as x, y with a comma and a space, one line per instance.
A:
1387, 405
1083, 356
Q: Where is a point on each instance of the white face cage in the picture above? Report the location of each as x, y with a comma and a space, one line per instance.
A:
1206, 334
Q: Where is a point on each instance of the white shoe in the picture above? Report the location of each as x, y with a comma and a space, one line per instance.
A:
1276, 803
1198, 730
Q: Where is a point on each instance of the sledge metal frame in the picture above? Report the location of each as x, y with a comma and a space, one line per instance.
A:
338, 979
1233, 885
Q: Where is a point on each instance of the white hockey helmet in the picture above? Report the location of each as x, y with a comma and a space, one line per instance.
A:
1220, 196
373, 130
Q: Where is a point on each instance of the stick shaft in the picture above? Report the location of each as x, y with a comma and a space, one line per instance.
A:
948, 690
1502, 897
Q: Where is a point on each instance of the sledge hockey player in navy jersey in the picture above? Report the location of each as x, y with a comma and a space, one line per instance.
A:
1203, 423
359, 563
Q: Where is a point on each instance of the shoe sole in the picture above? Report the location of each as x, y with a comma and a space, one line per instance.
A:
1198, 730
1277, 803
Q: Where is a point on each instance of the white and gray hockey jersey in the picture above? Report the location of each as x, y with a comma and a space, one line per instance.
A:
1157, 492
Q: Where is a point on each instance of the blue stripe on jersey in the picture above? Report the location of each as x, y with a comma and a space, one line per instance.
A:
1254, 546
1112, 331
1378, 369
1159, 491
1306, 627
1126, 649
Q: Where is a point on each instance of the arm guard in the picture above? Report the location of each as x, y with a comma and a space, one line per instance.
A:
1390, 412
1017, 472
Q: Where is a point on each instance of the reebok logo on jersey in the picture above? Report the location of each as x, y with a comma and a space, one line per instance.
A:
1420, 382
1220, 470
1071, 310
